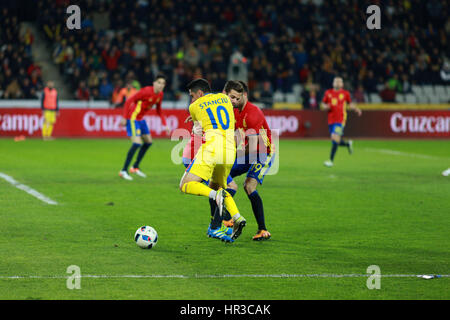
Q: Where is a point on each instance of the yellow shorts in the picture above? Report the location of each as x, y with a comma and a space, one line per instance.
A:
213, 163
50, 116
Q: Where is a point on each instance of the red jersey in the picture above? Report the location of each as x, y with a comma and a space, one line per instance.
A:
251, 117
191, 148
137, 105
337, 100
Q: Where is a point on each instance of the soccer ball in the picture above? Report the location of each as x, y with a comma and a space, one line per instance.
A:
146, 237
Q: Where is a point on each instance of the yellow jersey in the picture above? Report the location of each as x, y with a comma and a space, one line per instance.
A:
215, 113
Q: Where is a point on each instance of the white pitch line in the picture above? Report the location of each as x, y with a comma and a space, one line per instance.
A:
27, 189
400, 153
215, 276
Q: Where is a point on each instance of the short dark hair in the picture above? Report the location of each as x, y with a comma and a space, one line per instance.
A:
233, 85
199, 84
244, 85
160, 76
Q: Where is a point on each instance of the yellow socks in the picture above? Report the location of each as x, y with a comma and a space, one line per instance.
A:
231, 205
200, 189
197, 188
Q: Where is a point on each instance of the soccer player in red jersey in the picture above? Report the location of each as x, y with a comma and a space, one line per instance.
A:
257, 153
191, 148
335, 102
134, 109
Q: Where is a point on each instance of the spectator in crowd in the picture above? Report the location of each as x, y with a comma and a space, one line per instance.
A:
20, 77
405, 84
93, 80
28, 90
140, 48
313, 101
266, 95
394, 83
13, 90
125, 93
115, 99
305, 99
358, 94
105, 89
304, 73
83, 92
388, 93
310, 98
111, 58
282, 44
445, 72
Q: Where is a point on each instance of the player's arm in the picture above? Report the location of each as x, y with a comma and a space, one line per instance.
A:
197, 128
140, 95
197, 125
42, 100
57, 104
162, 116
325, 105
254, 124
126, 107
352, 106
252, 147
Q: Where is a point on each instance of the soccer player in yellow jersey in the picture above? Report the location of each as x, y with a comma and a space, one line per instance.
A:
215, 158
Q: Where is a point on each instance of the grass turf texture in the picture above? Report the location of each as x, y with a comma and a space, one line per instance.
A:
374, 207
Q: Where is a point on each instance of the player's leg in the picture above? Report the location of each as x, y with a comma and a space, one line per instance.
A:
225, 218
335, 135
250, 186
47, 125
193, 184
335, 140
446, 173
255, 176
133, 131
219, 177
51, 123
231, 188
348, 144
147, 143
218, 219
198, 171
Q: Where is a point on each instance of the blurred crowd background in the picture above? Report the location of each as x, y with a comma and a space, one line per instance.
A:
275, 46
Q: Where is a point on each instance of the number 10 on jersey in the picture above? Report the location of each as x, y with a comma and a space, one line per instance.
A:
220, 112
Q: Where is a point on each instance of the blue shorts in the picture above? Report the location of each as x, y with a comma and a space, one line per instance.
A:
336, 128
136, 128
187, 162
256, 170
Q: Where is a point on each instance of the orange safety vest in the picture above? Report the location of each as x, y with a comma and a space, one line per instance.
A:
50, 99
125, 93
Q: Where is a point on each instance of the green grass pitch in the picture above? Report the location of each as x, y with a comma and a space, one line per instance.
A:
386, 205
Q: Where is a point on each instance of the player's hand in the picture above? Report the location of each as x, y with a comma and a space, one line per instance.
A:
167, 129
123, 122
188, 119
359, 112
197, 129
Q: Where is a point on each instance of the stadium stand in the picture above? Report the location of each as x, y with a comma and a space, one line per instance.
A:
286, 50
20, 76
